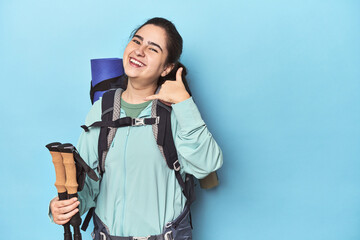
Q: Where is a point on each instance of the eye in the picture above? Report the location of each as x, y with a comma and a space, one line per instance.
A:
154, 50
136, 41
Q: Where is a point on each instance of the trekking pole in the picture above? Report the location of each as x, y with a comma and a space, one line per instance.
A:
60, 180
71, 184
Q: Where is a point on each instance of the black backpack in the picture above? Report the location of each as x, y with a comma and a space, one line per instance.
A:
161, 125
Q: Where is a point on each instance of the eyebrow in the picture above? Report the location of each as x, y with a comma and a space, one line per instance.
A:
149, 42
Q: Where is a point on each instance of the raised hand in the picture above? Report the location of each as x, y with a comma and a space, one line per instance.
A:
171, 92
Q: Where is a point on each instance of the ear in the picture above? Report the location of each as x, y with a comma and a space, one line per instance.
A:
167, 69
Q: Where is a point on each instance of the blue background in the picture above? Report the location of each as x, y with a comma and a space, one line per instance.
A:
277, 82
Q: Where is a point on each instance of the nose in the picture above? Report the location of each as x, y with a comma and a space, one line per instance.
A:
140, 51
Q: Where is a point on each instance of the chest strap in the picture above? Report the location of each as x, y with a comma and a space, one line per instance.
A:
123, 122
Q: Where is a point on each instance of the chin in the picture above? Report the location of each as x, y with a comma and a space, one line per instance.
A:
129, 72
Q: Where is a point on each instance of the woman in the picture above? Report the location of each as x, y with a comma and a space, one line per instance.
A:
138, 194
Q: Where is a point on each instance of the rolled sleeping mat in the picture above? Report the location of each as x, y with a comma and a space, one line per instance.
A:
103, 72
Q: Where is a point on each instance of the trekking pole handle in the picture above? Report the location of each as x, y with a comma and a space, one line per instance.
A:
71, 185
60, 180
59, 167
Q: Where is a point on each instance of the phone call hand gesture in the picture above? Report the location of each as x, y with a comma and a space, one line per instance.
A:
171, 92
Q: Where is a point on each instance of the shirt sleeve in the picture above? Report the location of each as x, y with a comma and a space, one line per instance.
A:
88, 149
198, 152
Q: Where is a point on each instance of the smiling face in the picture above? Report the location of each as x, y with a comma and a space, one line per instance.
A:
145, 56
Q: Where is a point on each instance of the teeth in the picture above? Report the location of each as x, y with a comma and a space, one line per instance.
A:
136, 62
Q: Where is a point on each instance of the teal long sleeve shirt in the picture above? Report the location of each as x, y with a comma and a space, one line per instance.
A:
138, 194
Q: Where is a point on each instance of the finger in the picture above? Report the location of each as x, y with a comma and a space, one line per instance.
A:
64, 203
178, 74
166, 103
153, 97
62, 222
69, 208
53, 201
63, 217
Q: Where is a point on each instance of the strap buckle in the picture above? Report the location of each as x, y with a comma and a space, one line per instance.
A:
168, 236
141, 238
138, 121
168, 225
157, 120
102, 236
176, 165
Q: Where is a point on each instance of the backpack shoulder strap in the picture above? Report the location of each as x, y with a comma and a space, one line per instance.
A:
162, 132
110, 112
165, 141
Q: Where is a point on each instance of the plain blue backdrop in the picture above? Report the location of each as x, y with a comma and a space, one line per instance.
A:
277, 82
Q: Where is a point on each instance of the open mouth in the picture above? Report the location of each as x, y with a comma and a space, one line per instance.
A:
136, 63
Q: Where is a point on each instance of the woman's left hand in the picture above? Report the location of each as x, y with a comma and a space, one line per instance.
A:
171, 91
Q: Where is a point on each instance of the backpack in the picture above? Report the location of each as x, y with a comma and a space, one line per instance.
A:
161, 125
108, 73
112, 88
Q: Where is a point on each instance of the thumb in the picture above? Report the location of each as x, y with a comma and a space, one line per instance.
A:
178, 74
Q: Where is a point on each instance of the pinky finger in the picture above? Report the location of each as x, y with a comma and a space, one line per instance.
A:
62, 222
166, 103
148, 98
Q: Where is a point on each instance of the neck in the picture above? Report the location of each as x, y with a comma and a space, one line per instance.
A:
136, 92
